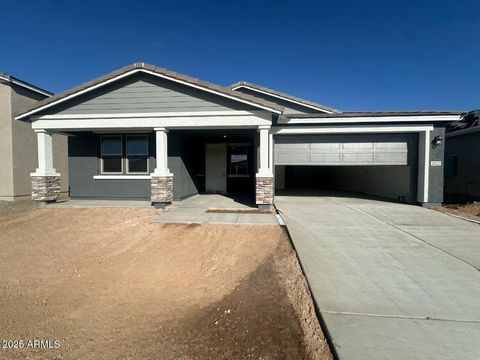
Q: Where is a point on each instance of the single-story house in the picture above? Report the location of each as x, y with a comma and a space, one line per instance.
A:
18, 147
144, 132
462, 159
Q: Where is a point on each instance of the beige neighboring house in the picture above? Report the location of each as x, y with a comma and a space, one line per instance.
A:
18, 144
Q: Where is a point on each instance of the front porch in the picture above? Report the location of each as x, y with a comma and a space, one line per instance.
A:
161, 165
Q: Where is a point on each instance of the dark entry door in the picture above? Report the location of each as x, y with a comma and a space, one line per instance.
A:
216, 168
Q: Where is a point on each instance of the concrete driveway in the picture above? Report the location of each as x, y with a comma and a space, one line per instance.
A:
392, 281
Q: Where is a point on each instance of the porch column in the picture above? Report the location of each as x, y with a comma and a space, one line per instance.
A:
264, 177
45, 179
161, 178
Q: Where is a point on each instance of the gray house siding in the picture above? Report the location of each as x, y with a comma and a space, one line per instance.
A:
464, 181
145, 94
289, 107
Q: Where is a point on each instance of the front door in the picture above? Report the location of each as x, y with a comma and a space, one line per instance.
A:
216, 168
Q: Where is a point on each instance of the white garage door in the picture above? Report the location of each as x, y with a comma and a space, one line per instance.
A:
342, 150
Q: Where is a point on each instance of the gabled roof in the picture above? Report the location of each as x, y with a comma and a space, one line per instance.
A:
10, 79
281, 95
157, 71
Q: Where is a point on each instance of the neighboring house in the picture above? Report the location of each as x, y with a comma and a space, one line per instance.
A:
462, 158
144, 132
18, 147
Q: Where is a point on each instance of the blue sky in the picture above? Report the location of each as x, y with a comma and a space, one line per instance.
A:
352, 55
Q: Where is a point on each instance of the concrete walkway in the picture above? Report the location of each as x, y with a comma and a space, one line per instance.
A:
214, 209
391, 281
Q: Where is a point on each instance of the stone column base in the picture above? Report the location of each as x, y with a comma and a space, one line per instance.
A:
264, 192
161, 190
45, 188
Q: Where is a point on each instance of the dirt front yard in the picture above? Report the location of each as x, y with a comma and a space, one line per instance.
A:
469, 210
104, 283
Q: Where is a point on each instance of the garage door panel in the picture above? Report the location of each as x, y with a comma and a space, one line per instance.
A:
357, 158
322, 147
296, 147
358, 146
374, 149
391, 146
391, 159
324, 158
291, 159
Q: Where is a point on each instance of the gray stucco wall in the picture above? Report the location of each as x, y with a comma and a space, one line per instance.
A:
435, 188
6, 176
465, 185
145, 94
84, 163
18, 148
25, 145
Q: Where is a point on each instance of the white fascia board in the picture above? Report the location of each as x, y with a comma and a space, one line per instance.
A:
349, 129
283, 98
106, 82
171, 122
371, 119
27, 86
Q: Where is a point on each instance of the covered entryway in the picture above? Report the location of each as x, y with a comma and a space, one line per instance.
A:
216, 161
383, 165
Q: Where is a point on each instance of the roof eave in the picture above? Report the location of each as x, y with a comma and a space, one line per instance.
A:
370, 118
24, 84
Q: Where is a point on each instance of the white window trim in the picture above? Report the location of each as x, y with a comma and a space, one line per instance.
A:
127, 155
122, 177
102, 155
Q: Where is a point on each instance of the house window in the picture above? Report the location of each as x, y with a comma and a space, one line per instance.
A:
111, 154
238, 161
137, 154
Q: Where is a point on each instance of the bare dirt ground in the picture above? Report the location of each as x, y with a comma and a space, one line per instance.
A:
468, 210
11, 207
106, 284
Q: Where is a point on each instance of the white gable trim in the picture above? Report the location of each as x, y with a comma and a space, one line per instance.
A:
134, 71
283, 98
